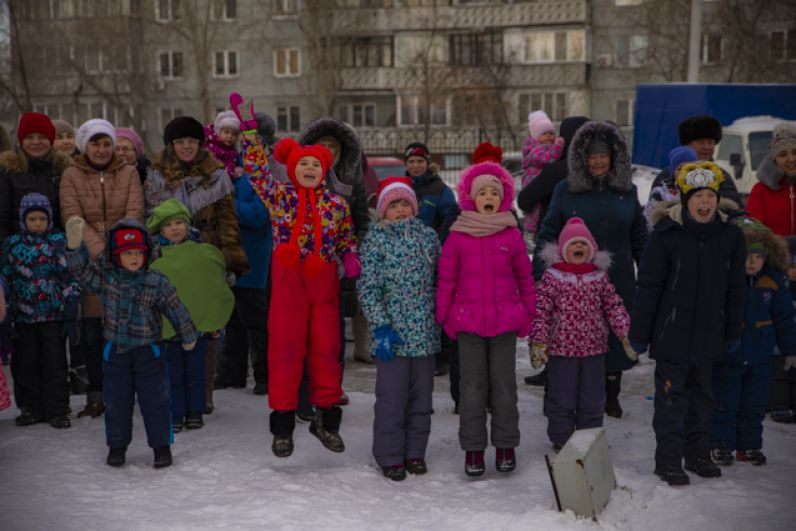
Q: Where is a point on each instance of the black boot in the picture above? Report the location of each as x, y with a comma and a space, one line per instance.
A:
28, 418
60, 422
282, 424
537, 380
177, 424
194, 421
703, 466
116, 457
162, 456
78, 380
326, 427
613, 384
672, 474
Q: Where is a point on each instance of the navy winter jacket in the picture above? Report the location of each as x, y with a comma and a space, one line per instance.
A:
255, 234
435, 200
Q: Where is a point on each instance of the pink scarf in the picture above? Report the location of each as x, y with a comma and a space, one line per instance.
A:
578, 269
475, 224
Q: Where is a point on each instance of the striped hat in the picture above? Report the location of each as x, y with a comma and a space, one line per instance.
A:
392, 189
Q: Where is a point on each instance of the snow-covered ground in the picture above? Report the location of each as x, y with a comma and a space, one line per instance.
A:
225, 477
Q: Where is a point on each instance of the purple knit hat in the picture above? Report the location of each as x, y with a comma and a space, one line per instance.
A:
132, 136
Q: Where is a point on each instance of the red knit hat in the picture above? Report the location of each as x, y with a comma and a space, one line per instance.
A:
392, 189
576, 230
128, 239
289, 152
487, 152
35, 122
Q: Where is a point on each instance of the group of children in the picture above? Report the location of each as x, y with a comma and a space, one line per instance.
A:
710, 330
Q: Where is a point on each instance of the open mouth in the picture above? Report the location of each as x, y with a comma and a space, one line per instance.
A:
579, 254
489, 208
704, 212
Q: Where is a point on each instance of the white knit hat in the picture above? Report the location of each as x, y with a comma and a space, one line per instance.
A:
539, 123
92, 128
226, 120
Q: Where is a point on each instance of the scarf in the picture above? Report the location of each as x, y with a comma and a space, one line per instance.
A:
289, 254
475, 224
578, 269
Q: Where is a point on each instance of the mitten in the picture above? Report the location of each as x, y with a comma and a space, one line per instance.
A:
74, 232
790, 362
72, 315
538, 355
732, 346
351, 266
386, 341
232, 279
560, 141
630, 351
638, 347
188, 346
246, 126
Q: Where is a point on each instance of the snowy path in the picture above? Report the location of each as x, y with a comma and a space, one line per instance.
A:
225, 476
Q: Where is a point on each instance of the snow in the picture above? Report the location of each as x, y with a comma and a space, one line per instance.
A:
225, 477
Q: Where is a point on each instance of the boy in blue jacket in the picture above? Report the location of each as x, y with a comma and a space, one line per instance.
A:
741, 378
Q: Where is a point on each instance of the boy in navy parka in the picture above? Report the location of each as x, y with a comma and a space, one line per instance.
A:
741, 378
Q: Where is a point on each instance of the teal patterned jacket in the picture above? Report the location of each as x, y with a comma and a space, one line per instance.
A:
397, 284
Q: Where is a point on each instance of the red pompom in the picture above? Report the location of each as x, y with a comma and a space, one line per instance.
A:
283, 149
487, 152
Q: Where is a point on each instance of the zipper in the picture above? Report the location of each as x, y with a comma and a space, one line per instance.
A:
676, 274
672, 318
104, 206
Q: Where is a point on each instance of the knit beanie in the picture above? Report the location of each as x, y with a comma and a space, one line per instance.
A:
168, 210
92, 128
393, 189
417, 149
487, 152
539, 123
128, 239
266, 127
695, 176
680, 155
132, 136
34, 202
782, 138
62, 126
482, 181
696, 127
226, 120
183, 127
289, 152
576, 230
35, 122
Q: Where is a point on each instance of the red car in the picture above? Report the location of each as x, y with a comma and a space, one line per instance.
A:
381, 168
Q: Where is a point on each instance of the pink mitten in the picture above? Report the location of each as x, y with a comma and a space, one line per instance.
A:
351, 265
560, 141
246, 126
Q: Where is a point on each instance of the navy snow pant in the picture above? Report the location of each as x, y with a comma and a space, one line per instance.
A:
783, 386
402, 414
142, 371
246, 335
741, 395
683, 404
575, 398
39, 368
187, 377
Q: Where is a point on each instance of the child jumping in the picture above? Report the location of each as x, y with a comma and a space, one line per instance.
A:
133, 299
485, 299
396, 290
576, 303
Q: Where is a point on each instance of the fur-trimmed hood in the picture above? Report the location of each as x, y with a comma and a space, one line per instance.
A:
777, 253
127, 223
348, 167
485, 168
770, 174
674, 209
18, 162
620, 175
551, 255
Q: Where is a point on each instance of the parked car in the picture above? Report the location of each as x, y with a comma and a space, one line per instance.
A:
387, 167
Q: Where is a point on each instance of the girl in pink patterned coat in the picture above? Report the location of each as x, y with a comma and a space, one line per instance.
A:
576, 303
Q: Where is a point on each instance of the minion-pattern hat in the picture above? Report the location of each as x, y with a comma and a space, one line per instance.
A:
697, 176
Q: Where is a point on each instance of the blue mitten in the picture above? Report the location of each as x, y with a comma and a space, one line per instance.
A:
386, 341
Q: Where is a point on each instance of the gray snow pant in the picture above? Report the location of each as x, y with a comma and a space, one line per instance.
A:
575, 398
402, 420
488, 380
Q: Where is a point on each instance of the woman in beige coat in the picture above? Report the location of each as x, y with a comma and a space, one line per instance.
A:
101, 188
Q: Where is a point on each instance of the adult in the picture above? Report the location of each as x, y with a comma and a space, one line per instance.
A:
701, 133
771, 200
266, 131
5, 140
65, 142
34, 167
130, 147
599, 189
185, 170
101, 188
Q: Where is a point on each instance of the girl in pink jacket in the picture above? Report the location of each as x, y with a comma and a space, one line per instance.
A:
485, 299
576, 304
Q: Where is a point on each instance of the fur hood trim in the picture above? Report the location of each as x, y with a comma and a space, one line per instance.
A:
17, 162
167, 164
348, 168
777, 253
674, 209
620, 176
550, 255
770, 174
485, 168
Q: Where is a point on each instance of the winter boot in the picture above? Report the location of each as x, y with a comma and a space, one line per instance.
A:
162, 456
92, 409
60, 422
326, 427
193, 421
557, 447
343, 400
394, 472
116, 457
537, 380
722, 456
474, 463
416, 466
209, 407
505, 461
78, 380
177, 424
753, 457
282, 424
704, 467
260, 389
672, 474
785, 417
613, 384
27, 418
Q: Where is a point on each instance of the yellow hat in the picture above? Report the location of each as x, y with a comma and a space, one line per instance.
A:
698, 175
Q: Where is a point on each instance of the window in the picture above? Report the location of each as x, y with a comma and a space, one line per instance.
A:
170, 65
287, 62
476, 49
416, 48
367, 51
624, 113
631, 51
783, 45
284, 8
548, 46
167, 10
414, 111
288, 119
711, 49
115, 59
553, 103
167, 114
358, 114
225, 63
224, 9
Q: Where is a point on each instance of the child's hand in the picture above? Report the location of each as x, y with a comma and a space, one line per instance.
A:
238, 172
74, 232
188, 346
630, 351
790, 362
386, 341
351, 266
560, 142
538, 355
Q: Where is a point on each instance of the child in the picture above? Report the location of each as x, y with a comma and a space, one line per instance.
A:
197, 272
312, 231
688, 308
40, 287
5, 398
485, 297
221, 139
541, 148
782, 395
741, 378
576, 304
396, 290
133, 299
667, 191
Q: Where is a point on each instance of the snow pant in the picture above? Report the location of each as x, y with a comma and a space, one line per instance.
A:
575, 398
488, 380
741, 394
305, 403
246, 335
361, 332
783, 386
402, 413
89, 349
211, 363
40, 370
141, 371
451, 348
304, 323
683, 404
186, 376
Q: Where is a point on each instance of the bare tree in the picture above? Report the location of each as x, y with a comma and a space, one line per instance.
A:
19, 92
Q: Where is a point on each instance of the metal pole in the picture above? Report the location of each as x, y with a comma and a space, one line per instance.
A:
694, 41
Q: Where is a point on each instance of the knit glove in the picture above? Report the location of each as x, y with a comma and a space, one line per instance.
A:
74, 232
188, 346
386, 341
351, 266
630, 352
790, 363
538, 355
